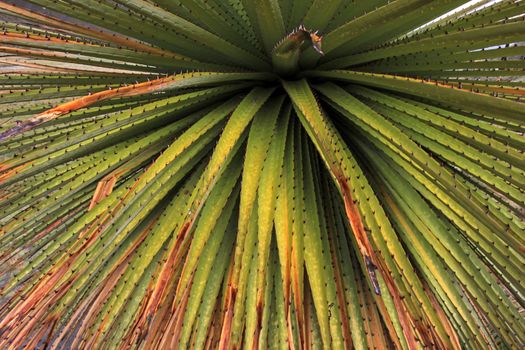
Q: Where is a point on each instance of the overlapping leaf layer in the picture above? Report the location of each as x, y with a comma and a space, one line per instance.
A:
262, 174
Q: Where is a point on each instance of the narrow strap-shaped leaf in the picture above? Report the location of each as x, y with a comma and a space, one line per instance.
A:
320, 13
493, 106
364, 28
76, 28
298, 312
298, 11
234, 315
214, 218
283, 219
269, 22
315, 258
172, 82
322, 135
351, 10
487, 143
205, 260
267, 193
495, 35
234, 53
213, 287
257, 147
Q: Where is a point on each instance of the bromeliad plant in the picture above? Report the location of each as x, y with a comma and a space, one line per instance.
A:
361, 189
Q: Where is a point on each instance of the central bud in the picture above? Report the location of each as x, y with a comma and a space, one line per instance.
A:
287, 52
